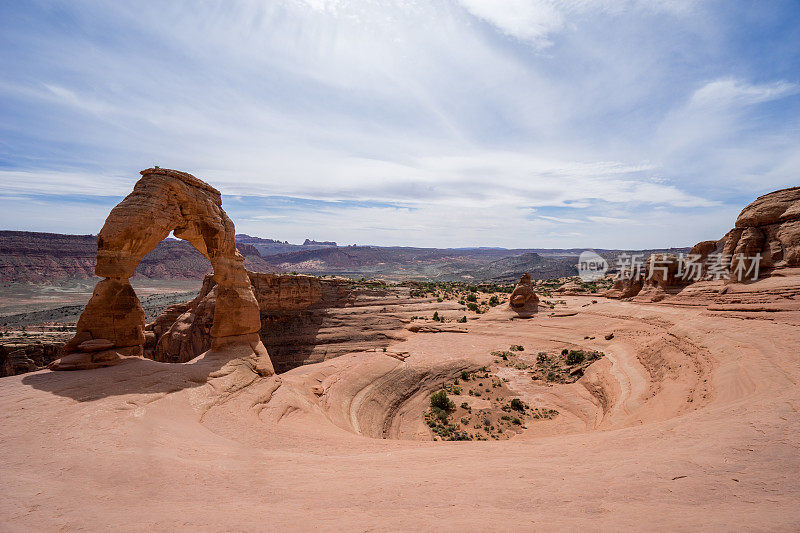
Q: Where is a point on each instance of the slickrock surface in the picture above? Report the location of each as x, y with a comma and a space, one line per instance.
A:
689, 421
304, 319
686, 419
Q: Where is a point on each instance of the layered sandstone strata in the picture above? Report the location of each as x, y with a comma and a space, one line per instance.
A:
770, 226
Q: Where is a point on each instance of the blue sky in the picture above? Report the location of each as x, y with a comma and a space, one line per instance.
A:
517, 123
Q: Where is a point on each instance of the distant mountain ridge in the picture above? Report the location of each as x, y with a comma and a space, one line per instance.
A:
39, 257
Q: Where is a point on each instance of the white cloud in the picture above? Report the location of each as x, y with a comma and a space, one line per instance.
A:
524, 19
413, 109
730, 92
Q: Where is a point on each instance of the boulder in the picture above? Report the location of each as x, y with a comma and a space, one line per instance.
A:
523, 299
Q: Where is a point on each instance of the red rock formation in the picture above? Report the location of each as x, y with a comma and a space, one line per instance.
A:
164, 200
523, 299
663, 276
769, 226
625, 287
304, 319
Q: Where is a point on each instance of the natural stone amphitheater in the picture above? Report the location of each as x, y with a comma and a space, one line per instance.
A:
685, 415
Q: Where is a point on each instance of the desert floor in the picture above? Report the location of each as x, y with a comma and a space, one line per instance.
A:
690, 421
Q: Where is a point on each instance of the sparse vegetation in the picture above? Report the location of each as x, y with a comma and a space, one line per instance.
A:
575, 357
439, 400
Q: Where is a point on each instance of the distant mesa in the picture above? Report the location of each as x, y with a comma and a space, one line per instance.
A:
309, 242
247, 239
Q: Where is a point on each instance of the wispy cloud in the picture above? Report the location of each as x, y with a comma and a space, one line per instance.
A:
406, 123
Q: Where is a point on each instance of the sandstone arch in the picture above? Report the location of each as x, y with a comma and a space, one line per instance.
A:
162, 201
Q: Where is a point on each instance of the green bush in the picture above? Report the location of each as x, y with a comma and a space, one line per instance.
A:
575, 357
472, 298
439, 400
436, 316
517, 405
464, 375
517, 348
472, 306
564, 351
494, 300
462, 320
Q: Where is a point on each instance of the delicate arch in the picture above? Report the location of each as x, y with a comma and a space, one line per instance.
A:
163, 201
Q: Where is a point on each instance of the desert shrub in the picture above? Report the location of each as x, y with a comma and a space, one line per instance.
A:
494, 300
464, 375
456, 390
517, 348
516, 421
542, 358
565, 351
439, 414
440, 400
436, 316
463, 320
517, 405
472, 298
551, 376
505, 417
472, 306
464, 405
575, 357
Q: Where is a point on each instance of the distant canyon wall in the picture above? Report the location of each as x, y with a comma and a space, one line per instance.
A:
30, 257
